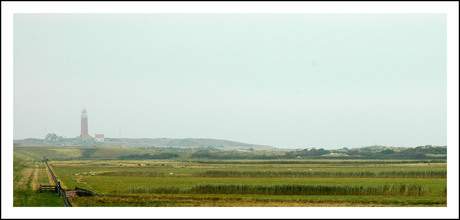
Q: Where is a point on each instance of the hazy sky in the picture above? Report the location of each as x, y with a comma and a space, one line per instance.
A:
286, 80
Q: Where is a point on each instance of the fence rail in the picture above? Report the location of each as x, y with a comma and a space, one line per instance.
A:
59, 188
48, 188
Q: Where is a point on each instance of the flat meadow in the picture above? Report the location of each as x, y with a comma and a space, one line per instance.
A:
171, 183
280, 182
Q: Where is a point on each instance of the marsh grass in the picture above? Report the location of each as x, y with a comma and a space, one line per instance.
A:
324, 174
232, 183
150, 190
238, 200
132, 173
387, 190
443, 191
323, 161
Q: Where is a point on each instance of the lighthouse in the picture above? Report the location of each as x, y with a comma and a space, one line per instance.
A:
84, 126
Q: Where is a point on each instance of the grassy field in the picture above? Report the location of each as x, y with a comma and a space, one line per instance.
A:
28, 174
170, 183
243, 183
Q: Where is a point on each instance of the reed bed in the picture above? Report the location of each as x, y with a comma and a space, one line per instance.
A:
322, 161
443, 191
141, 190
323, 174
387, 190
413, 174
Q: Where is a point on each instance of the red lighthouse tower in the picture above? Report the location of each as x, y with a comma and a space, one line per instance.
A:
84, 126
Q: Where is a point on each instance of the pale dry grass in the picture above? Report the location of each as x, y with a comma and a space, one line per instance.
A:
42, 176
23, 182
35, 180
418, 165
69, 152
30, 178
50, 178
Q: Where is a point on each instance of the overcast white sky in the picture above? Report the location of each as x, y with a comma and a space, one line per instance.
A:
285, 80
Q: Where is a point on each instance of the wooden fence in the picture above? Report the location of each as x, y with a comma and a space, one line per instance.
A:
58, 186
48, 188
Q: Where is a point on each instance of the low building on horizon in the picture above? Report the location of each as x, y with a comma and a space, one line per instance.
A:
51, 137
99, 137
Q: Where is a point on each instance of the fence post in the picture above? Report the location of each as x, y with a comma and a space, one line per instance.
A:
60, 191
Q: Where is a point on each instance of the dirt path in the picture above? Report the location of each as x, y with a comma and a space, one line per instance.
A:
79, 181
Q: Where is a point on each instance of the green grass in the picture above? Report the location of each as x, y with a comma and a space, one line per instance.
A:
23, 198
107, 184
28, 174
302, 174
229, 200
132, 173
320, 161
389, 190
181, 182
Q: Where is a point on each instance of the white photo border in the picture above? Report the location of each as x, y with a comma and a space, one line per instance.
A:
448, 8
